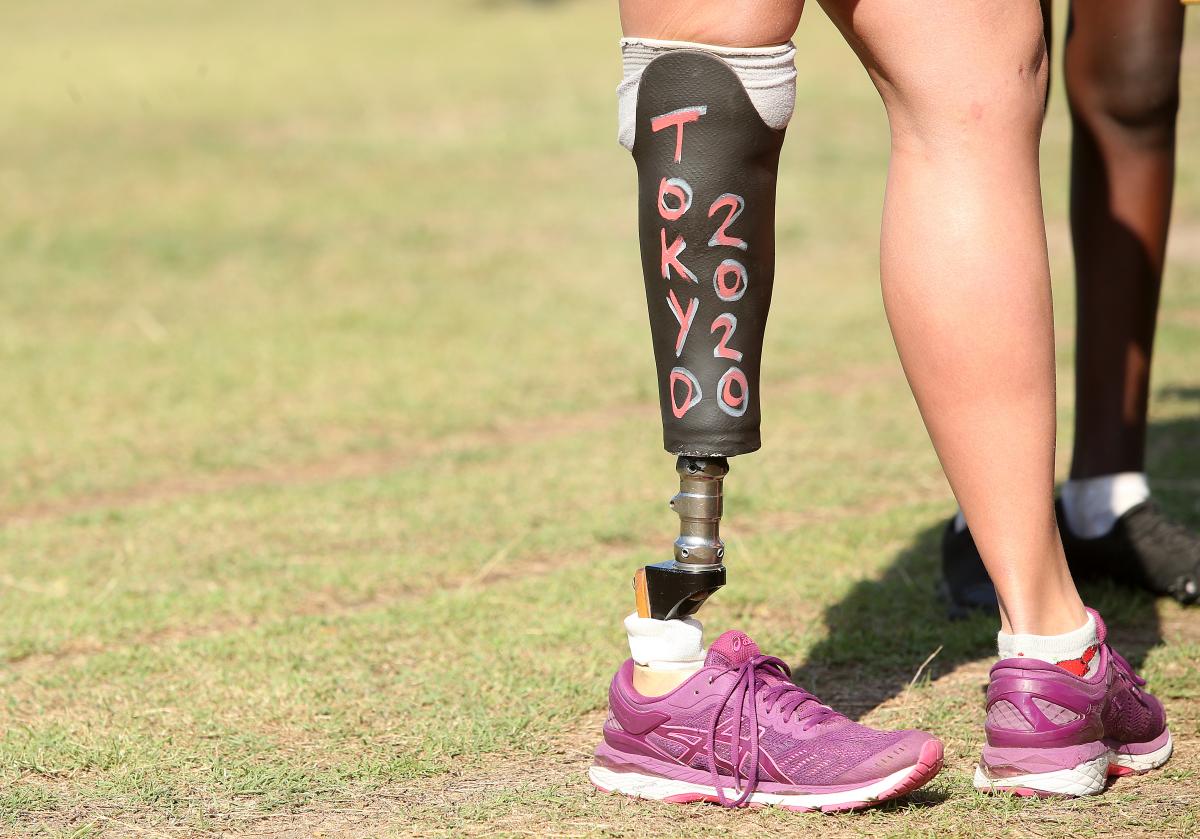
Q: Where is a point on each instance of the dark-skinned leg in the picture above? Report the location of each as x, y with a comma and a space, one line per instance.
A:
1121, 69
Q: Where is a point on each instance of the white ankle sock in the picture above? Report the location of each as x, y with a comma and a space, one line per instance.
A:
960, 522
1055, 649
767, 73
1093, 505
666, 645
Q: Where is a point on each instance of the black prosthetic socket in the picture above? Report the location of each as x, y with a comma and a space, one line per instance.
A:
707, 167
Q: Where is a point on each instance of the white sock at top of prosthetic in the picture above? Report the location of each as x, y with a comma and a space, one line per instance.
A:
767, 73
666, 645
1093, 505
1069, 650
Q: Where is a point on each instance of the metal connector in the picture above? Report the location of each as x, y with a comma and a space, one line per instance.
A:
678, 588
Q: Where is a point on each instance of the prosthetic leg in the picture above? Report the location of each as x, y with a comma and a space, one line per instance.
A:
707, 166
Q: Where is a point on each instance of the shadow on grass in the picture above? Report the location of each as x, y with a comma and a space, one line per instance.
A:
881, 632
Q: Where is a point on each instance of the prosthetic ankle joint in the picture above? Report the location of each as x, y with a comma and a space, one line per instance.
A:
677, 588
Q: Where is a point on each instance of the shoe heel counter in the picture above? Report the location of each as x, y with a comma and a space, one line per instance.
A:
614, 734
630, 715
612, 722
1028, 709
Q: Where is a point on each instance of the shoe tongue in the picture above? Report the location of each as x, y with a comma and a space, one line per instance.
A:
1101, 629
732, 649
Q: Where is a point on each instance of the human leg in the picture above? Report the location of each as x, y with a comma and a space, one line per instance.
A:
1121, 66
965, 275
1121, 69
1122, 79
704, 122
731, 728
966, 288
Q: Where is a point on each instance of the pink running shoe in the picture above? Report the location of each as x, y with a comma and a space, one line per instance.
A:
1051, 732
739, 732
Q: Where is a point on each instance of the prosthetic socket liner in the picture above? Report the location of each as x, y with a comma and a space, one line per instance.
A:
767, 73
706, 207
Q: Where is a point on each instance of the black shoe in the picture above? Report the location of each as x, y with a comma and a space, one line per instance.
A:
966, 586
1145, 548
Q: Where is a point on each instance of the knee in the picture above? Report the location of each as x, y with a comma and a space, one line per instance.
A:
1136, 90
988, 100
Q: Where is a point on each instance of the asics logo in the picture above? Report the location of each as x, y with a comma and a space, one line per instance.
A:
695, 743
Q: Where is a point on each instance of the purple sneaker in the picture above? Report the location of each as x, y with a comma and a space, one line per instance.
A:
739, 732
1050, 732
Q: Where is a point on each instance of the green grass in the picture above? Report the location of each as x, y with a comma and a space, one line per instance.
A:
309, 525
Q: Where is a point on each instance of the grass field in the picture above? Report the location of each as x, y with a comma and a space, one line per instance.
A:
329, 442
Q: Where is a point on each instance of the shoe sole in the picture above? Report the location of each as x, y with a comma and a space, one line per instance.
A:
1134, 764
1088, 778
657, 788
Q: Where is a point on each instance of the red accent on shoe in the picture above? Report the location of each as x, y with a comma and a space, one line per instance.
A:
1079, 666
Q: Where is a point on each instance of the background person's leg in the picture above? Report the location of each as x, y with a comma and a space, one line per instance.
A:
1121, 69
965, 276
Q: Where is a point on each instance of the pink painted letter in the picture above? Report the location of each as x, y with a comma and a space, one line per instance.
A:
681, 375
684, 318
678, 119
670, 258
681, 191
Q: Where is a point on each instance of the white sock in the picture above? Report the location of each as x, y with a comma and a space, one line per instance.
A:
1093, 505
960, 522
767, 73
666, 645
1052, 648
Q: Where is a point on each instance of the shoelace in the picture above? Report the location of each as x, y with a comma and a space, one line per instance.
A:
783, 697
1124, 669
